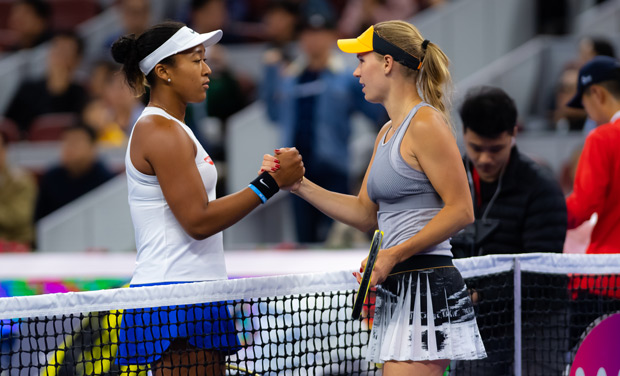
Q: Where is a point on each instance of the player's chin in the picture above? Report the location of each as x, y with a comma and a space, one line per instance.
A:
370, 98
199, 97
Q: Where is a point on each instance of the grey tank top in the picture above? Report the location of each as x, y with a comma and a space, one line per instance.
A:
406, 198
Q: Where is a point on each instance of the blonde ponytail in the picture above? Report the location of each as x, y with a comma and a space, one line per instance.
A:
433, 80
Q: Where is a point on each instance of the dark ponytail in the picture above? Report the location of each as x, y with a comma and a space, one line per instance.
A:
124, 52
129, 50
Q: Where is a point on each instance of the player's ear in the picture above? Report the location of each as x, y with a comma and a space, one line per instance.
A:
599, 93
161, 72
388, 64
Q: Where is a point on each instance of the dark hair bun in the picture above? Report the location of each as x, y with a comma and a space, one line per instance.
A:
123, 48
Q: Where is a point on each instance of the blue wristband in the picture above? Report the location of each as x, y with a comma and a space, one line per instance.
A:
259, 193
264, 186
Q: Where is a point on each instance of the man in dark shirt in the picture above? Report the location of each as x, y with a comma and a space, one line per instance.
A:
57, 91
79, 171
518, 206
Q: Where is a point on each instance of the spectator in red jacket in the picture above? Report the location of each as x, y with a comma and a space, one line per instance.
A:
597, 181
595, 190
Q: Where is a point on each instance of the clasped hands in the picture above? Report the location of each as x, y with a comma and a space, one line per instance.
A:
286, 166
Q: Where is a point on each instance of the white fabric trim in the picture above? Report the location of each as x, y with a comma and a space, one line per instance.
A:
615, 117
245, 288
564, 264
471, 267
174, 294
181, 40
554, 263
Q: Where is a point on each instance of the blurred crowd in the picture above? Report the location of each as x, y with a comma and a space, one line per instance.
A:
98, 99
86, 105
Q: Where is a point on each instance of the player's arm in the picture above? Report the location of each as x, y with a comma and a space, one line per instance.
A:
356, 211
162, 148
432, 143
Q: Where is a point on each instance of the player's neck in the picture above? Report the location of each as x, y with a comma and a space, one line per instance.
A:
399, 104
174, 106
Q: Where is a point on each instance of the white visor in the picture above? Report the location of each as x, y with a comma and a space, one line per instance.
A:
182, 40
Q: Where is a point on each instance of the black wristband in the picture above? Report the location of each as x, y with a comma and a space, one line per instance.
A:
266, 185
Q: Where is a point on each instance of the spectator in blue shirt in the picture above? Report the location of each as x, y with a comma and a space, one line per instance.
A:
312, 99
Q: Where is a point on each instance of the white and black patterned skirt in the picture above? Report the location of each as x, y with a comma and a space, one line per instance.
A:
424, 314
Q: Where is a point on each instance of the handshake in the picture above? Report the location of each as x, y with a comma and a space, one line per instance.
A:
286, 167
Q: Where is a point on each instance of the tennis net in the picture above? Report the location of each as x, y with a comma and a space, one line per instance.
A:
533, 312
284, 325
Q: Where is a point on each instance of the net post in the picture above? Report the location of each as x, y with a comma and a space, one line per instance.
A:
517, 316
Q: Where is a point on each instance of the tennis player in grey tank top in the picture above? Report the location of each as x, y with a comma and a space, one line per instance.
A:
406, 198
415, 190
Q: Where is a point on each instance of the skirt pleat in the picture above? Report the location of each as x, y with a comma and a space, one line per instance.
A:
424, 315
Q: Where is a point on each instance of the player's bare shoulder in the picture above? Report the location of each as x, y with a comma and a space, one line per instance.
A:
160, 132
428, 117
428, 123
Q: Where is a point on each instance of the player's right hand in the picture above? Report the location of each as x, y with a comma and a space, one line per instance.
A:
287, 167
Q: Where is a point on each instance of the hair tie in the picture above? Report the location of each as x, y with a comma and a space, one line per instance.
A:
425, 44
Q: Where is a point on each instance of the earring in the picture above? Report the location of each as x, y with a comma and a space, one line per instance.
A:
169, 80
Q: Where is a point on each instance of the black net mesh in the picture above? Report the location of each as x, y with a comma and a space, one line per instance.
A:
296, 334
310, 334
493, 300
557, 311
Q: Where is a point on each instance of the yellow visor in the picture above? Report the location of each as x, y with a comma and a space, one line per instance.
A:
358, 45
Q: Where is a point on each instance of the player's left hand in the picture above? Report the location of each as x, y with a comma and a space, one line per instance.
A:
269, 164
383, 266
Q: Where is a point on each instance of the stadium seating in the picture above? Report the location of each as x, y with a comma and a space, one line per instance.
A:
49, 127
7, 39
5, 6
9, 129
67, 14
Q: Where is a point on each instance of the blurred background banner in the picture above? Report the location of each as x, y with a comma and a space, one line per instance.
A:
24, 274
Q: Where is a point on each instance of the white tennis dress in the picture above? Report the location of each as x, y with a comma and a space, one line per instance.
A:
166, 253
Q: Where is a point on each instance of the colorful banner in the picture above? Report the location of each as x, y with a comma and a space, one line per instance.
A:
26, 287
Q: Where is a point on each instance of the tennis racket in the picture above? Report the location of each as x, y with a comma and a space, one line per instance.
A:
362, 292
